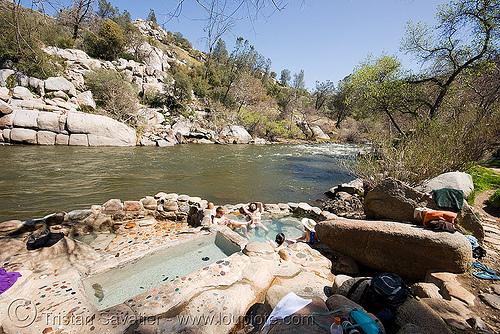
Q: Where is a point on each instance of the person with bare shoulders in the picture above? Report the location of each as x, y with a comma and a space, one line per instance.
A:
220, 219
254, 212
280, 247
309, 235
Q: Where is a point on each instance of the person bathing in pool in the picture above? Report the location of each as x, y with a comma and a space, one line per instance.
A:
220, 219
254, 212
309, 235
279, 244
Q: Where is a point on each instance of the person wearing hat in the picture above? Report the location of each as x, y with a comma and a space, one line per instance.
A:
309, 235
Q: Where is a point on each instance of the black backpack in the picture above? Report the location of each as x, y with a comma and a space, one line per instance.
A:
43, 239
389, 289
384, 293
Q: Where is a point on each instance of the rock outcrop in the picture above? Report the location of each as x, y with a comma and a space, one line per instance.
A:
454, 180
394, 200
69, 128
405, 249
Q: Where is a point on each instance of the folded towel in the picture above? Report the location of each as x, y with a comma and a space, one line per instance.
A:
288, 305
449, 198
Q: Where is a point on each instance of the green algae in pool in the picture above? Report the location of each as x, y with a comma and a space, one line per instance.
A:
290, 226
119, 284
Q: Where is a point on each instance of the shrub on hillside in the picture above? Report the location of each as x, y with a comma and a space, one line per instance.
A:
20, 41
433, 147
107, 43
494, 199
113, 94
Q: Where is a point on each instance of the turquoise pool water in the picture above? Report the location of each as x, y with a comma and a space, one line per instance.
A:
288, 225
117, 285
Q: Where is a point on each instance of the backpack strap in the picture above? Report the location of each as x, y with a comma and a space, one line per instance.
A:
355, 286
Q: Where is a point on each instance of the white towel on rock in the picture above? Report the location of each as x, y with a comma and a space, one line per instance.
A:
288, 305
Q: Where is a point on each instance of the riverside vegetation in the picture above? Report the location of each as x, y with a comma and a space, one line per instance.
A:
419, 124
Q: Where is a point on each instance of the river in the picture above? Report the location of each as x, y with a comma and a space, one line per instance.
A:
39, 180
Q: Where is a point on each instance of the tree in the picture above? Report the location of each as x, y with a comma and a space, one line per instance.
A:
337, 104
77, 14
248, 91
298, 80
466, 35
285, 77
323, 93
107, 43
151, 16
105, 10
220, 53
379, 86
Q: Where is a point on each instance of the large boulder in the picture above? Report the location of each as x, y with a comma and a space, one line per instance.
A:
100, 127
4, 74
5, 108
86, 99
21, 135
53, 84
405, 249
423, 316
50, 121
470, 223
22, 93
236, 134
318, 133
25, 118
153, 57
455, 180
394, 200
183, 127
5, 93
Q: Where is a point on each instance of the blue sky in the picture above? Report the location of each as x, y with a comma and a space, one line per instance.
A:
325, 38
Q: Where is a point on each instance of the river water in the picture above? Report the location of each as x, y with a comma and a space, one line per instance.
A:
39, 180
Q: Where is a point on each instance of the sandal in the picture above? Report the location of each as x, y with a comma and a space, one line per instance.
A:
486, 275
483, 267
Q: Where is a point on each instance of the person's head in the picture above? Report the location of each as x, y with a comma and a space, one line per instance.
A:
309, 225
211, 206
280, 239
252, 206
219, 212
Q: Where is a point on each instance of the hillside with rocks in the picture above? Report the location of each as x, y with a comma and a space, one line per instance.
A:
62, 110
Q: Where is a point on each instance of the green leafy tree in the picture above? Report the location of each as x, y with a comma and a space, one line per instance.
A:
181, 89
466, 35
323, 93
285, 77
107, 43
105, 10
21, 34
379, 86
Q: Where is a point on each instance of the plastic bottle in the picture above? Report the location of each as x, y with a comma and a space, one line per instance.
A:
336, 327
349, 328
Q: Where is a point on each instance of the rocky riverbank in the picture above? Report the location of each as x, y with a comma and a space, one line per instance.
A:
62, 110
51, 283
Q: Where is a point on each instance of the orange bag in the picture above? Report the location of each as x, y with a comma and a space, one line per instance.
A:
439, 215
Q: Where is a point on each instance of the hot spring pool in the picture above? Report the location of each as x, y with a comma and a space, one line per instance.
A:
119, 284
288, 225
